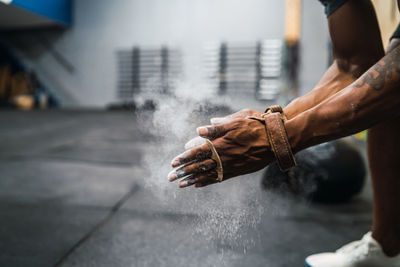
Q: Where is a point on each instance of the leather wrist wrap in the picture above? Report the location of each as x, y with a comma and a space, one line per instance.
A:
274, 119
278, 140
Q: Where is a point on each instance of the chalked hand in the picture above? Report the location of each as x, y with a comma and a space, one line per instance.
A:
197, 141
244, 113
242, 147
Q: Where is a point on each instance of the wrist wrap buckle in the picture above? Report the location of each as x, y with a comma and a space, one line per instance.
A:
273, 119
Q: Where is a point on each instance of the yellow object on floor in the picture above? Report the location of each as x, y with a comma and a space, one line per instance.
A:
361, 135
24, 102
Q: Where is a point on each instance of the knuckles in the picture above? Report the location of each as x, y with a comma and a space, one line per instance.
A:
246, 111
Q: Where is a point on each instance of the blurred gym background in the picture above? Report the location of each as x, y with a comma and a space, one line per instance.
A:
74, 75
84, 55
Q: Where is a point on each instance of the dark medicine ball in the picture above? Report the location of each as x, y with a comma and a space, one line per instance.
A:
332, 172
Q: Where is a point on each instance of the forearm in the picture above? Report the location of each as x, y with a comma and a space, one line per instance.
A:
331, 82
373, 98
356, 45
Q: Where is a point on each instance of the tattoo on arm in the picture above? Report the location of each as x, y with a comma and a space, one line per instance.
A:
381, 71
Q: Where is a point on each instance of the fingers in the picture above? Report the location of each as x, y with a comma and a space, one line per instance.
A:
197, 141
220, 120
191, 169
199, 179
240, 114
212, 131
205, 184
226, 119
195, 154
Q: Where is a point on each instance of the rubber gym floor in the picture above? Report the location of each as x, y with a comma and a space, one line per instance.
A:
73, 192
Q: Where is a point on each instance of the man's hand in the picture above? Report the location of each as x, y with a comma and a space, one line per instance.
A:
197, 141
241, 144
240, 114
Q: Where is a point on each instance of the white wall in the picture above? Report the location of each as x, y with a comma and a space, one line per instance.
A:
103, 26
314, 45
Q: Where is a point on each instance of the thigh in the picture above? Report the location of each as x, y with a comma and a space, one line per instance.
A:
384, 149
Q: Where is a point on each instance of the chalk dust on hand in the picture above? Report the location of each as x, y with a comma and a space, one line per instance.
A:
222, 211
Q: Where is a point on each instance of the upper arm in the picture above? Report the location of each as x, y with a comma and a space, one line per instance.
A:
355, 35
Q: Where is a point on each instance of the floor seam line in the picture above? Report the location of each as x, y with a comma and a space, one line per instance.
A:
100, 224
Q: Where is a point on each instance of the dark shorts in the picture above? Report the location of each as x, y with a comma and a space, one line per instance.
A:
333, 5
396, 33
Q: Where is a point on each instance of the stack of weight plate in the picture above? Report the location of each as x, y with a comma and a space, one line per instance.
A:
270, 70
147, 70
247, 69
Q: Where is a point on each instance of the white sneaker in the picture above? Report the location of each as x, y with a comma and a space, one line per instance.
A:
363, 253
